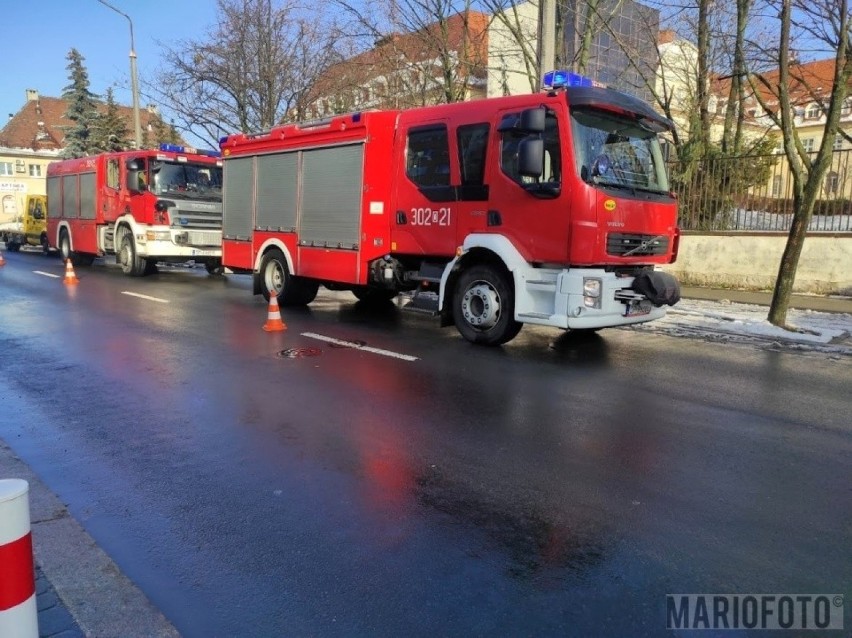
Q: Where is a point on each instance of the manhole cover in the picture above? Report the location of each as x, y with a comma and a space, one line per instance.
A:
298, 353
349, 343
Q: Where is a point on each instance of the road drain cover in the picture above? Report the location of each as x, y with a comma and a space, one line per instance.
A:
349, 343
298, 353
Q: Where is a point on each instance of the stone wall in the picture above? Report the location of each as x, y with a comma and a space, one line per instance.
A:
749, 261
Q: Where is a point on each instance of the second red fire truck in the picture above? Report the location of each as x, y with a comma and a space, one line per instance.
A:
145, 206
549, 209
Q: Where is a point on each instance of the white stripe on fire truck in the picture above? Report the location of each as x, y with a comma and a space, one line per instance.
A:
358, 346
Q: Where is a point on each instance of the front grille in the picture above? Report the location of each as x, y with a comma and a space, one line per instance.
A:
201, 238
629, 245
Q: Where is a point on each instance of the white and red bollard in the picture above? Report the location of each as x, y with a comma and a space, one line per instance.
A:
18, 611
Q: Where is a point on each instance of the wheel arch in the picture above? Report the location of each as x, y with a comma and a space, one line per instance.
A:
495, 250
265, 247
64, 226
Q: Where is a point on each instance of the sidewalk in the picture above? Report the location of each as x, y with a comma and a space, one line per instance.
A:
801, 302
98, 601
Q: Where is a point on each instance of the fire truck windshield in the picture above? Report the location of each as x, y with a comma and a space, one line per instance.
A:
186, 180
613, 151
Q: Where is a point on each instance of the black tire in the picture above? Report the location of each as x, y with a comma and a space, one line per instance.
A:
65, 246
275, 278
12, 246
214, 267
131, 264
484, 306
302, 292
45, 247
65, 252
371, 295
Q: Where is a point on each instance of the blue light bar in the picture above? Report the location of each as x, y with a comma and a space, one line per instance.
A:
176, 148
562, 78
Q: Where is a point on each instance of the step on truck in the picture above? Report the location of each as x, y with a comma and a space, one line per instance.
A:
32, 229
551, 209
144, 206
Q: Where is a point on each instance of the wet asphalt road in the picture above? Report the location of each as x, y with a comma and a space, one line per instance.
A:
529, 490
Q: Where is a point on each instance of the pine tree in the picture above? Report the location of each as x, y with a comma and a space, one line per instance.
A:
112, 133
82, 109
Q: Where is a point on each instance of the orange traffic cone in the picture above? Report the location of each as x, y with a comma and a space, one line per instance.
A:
70, 277
273, 316
2, 260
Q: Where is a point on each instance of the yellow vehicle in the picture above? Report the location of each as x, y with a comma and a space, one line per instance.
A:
32, 229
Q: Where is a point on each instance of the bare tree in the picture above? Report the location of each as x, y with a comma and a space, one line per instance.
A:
251, 69
826, 25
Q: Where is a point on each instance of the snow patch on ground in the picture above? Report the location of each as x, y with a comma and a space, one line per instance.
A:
745, 323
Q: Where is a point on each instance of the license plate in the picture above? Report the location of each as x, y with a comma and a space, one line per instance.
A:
638, 308
203, 253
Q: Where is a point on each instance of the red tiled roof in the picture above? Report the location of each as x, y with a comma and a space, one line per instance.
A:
809, 81
467, 32
25, 131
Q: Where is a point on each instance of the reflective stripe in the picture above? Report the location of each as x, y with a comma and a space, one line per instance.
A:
17, 576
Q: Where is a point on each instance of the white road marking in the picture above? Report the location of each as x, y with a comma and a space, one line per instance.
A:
136, 294
357, 346
46, 274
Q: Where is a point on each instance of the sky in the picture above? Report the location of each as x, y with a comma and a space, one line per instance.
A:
38, 34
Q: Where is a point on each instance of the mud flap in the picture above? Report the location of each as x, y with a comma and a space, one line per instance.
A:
660, 288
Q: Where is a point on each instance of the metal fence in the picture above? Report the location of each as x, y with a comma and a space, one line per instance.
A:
755, 193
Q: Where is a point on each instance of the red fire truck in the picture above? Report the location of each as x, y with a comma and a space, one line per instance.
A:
144, 206
549, 209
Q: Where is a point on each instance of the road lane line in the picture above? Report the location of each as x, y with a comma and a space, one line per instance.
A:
357, 346
136, 294
46, 274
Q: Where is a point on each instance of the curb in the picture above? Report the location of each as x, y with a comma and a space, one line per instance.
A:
100, 599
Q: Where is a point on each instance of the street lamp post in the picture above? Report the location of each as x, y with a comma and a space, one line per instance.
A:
134, 83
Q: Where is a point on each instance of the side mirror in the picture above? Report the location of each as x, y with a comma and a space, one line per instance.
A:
531, 157
135, 181
532, 120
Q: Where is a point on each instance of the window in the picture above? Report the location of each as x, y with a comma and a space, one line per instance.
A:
427, 158
808, 143
35, 170
6, 168
20, 166
112, 174
776, 186
838, 143
814, 111
846, 109
511, 140
832, 183
473, 142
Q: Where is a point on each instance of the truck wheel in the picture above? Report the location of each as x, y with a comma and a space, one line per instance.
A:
484, 306
301, 292
12, 246
45, 247
64, 246
131, 264
275, 278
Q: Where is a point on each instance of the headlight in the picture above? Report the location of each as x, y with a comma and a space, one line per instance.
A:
591, 292
158, 235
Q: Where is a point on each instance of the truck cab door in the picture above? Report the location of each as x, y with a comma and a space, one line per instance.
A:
424, 220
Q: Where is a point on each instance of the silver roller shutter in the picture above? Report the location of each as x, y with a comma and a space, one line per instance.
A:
277, 191
331, 196
238, 212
